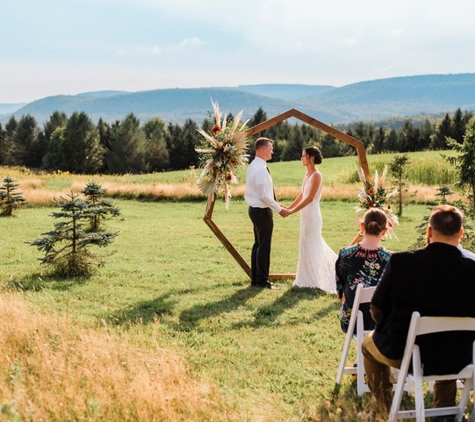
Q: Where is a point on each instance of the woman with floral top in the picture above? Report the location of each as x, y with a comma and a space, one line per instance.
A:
362, 263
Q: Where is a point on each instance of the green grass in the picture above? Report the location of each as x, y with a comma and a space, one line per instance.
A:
273, 353
428, 167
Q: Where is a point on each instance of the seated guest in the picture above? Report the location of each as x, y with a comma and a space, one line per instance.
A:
362, 263
435, 280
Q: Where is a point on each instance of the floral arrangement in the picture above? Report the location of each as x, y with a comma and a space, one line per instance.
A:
222, 153
374, 194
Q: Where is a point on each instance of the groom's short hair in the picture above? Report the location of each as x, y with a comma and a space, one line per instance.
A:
263, 142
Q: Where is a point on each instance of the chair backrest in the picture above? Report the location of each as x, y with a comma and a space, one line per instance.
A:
430, 325
366, 294
436, 324
363, 295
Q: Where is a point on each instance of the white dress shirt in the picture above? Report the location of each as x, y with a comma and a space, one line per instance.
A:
467, 253
259, 187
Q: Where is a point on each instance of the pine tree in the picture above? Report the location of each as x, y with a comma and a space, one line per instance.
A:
103, 208
128, 147
464, 163
157, 153
67, 246
398, 167
10, 200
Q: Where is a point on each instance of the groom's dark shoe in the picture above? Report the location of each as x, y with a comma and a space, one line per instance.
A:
265, 285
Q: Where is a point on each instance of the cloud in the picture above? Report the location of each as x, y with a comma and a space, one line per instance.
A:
189, 42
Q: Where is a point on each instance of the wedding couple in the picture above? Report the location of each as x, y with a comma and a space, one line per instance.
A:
316, 263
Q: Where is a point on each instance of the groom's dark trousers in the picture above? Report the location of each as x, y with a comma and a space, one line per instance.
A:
263, 222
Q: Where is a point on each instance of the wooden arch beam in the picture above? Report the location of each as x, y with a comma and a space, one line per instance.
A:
342, 136
259, 128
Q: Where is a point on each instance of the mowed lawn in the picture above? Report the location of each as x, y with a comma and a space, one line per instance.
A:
272, 354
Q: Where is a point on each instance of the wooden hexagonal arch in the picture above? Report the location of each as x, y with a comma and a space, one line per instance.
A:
259, 128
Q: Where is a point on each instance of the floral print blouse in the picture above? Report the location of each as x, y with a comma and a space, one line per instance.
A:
354, 266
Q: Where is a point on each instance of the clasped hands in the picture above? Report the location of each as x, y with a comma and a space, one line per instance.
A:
284, 212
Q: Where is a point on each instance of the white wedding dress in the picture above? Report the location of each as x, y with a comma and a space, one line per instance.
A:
316, 264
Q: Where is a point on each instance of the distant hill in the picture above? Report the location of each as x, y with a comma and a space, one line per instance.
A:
290, 92
10, 108
363, 101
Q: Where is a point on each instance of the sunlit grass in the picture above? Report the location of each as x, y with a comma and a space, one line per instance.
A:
271, 355
54, 370
172, 308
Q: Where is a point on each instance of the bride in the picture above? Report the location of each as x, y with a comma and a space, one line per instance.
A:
316, 264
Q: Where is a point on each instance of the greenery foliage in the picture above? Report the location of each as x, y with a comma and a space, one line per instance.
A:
464, 163
67, 246
10, 199
399, 169
103, 207
77, 145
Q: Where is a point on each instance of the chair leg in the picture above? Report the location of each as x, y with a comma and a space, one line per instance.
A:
397, 398
419, 400
344, 356
464, 399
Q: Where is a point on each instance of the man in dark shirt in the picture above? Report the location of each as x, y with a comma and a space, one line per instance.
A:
435, 281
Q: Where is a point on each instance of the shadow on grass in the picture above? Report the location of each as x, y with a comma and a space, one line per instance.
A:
189, 318
268, 314
37, 282
144, 312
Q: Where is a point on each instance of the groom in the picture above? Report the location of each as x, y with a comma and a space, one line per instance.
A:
261, 200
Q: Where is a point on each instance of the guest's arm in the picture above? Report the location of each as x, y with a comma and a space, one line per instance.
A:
376, 314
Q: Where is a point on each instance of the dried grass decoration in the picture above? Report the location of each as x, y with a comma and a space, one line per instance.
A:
375, 195
222, 151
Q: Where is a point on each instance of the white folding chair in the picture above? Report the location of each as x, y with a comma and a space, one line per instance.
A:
363, 295
426, 325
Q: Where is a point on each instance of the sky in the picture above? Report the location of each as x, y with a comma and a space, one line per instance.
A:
67, 47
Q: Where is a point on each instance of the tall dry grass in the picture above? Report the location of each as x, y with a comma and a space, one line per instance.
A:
188, 192
51, 369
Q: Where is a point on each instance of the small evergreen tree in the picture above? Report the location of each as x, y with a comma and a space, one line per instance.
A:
67, 246
104, 208
10, 200
464, 163
398, 167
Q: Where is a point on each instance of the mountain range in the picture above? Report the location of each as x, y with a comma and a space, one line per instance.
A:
363, 101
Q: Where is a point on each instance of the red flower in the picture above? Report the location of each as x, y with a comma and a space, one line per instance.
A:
370, 192
229, 176
215, 129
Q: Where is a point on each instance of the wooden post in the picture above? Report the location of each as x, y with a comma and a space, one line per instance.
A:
222, 238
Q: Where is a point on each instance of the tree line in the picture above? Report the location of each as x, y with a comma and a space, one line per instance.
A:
78, 145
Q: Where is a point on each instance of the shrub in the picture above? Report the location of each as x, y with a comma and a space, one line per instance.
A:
67, 246
10, 200
104, 208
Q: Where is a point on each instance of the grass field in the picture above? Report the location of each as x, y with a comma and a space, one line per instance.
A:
169, 328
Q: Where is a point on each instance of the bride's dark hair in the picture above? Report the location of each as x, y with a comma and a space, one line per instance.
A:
315, 153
